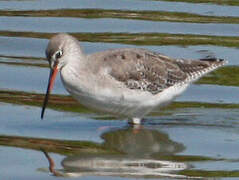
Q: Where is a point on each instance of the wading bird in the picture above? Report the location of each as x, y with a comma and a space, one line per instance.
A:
127, 82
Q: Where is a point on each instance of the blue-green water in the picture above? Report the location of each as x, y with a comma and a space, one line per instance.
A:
176, 144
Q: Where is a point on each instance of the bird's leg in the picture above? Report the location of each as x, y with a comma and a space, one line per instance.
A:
51, 164
135, 121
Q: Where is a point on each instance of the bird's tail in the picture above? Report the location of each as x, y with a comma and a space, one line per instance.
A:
197, 68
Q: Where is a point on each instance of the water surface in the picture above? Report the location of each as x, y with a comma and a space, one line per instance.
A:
196, 136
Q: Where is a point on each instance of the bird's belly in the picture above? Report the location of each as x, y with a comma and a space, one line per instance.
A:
129, 104
113, 97
112, 104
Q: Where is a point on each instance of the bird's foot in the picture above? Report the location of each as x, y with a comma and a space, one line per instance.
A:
135, 121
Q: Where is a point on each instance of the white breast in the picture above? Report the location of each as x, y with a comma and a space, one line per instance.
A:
103, 93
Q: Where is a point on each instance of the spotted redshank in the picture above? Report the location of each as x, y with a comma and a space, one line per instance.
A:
127, 82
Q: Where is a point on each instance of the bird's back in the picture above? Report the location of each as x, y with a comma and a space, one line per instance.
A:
149, 71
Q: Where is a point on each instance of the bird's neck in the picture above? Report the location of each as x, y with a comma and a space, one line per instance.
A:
76, 63
75, 76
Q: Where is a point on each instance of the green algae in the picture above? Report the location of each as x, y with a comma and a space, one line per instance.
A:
211, 174
226, 76
186, 158
139, 38
67, 103
125, 14
64, 147
56, 102
219, 2
180, 105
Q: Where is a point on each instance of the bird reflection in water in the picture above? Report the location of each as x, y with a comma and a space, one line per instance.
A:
140, 156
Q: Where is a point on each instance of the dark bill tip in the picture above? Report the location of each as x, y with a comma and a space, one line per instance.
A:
52, 77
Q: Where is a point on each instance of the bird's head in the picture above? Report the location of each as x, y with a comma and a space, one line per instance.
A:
60, 50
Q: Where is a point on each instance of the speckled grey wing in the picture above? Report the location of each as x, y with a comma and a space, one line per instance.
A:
153, 72
142, 69
194, 69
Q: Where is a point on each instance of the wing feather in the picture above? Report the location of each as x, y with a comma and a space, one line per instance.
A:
149, 71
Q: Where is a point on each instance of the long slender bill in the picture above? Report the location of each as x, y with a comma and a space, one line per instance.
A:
52, 77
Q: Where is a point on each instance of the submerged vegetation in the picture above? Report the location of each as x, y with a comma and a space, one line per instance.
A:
57, 102
67, 103
139, 38
125, 14
227, 76
63, 147
209, 174
219, 2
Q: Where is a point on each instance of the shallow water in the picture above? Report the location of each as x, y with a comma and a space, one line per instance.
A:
204, 9
113, 25
195, 137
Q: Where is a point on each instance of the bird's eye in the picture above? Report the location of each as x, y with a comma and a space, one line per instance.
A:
58, 54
